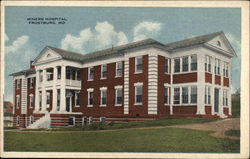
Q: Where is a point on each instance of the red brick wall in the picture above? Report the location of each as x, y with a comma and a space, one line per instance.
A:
226, 81
226, 111
96, 111
30, 91
208, 110
163, 110
218, 80
185, 109
208, 77
185, 78
138, 110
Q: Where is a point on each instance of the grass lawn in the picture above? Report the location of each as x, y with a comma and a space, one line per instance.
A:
235, 133
148, 140
124, 125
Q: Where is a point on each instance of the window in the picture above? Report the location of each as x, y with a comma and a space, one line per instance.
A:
119, 69
18, 83
48, 99
78, 75
225, 69
185, 95
218, 43
31, 100
208, 64
31, 120
90, 73
71, 120
40, 101
67, 74
103, 96
58, 72
185, 64
176, 95
77, 99
58, 99
176, 65
166, 65
207, 95
166, 95
90, 97
49, 73
225, 99
31, 83
193, 63
217, 67
139, 64
104, 71
118, 96
138, 94
17, 101
194, 94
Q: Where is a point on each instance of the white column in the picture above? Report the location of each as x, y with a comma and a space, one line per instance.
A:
201, 84
63, 89
54, 101
37, 92
44, 104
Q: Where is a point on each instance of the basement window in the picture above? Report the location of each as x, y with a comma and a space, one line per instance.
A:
71, 120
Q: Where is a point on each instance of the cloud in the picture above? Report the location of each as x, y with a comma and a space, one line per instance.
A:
71, 42
103, 35
235, 43
17, 44
146, 29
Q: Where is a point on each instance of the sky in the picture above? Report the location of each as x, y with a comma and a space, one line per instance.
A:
88, 29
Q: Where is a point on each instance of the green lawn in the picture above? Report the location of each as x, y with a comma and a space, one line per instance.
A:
235, 133
148, 140
124, 125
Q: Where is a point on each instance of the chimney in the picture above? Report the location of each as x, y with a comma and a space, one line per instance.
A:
31, 66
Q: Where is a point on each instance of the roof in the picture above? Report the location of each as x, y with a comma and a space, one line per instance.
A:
192, 41
82, 57
24, 72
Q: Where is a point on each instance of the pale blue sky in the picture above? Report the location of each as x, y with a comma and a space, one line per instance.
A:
93, 28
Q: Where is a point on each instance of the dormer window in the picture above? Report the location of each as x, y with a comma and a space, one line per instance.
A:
218, 43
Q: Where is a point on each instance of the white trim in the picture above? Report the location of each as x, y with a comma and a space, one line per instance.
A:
90, 89
138, 84
102, 71
103, 88
18, 102
89, 74
116, 68
75, 98
31, 96
101, 91
119, 87
136, 71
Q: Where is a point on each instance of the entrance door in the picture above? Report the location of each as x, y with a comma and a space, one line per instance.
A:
68, 103
216, 100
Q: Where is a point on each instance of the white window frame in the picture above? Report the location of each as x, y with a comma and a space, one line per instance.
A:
174, 96
102, 66
40, 101
18, 102
90, 90
31, 82
48, 99
207, 95
167, 71
90, 79
101, 91
187, 95
116, 72
187, 57
208, 63
136, 85
116, 90
191, 62
31, 98
76, 99
180, 69
18, 83
194, 86
225, 97
168, 91
74, 120
136, 59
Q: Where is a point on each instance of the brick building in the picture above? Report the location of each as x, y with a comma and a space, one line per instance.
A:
142, 80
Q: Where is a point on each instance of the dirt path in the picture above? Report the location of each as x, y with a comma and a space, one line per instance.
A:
218, 127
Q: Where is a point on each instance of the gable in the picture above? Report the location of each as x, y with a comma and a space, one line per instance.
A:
220, 42
46, 55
